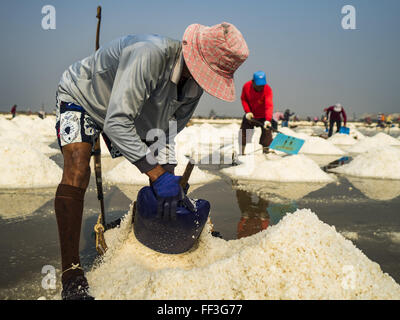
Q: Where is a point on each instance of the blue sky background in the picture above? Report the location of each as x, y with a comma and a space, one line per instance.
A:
310, 61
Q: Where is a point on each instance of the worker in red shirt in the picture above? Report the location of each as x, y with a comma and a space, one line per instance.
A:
335, 114
257, 103
14, 110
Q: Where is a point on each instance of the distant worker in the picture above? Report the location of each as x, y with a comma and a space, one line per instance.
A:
14, 110
286, 118
389, 120
335, 114
258, 105
324, 120
381, 120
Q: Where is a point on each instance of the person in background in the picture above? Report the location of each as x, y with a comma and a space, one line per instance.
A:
286, 117
335, 114
14, 110
389, 121
381, 120
257, 102
324, 120
276, 117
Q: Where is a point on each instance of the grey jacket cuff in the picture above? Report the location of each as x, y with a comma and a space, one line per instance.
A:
146, 163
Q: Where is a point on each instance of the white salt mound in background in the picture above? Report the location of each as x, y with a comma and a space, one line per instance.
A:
313, 145
378, 140
299, 258
380, 163
9, 130
25, 167
342, 139
127, 173
42, 130
295, 168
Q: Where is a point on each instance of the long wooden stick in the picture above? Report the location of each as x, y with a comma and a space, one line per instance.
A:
97, 148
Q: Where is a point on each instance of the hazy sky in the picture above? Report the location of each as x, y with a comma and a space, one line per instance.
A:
311, 62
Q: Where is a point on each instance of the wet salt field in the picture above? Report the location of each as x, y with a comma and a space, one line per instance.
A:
364, 210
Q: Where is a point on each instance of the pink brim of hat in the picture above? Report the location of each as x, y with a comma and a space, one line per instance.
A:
215, 84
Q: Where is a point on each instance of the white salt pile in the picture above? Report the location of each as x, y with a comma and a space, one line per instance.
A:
299, 258
342, 139
9, 130
25, 167
313, 145
295, 168
380, 139
379, 163
126, 173
42, 130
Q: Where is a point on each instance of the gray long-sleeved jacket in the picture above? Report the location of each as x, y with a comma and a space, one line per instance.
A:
129, 87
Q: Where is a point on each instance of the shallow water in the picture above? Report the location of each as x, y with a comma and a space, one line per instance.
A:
364, 210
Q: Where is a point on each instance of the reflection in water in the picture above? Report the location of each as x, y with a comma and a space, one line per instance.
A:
279, 191
18, 203
376, 189
258, 213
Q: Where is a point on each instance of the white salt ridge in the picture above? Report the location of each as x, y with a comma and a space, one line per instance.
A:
9, 130
126, 173
342, 139
380, 163
378, 140
295, 168
42, 130
25, 167
313, 145
299, 258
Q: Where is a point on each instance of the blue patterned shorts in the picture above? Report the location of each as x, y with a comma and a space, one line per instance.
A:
74, 124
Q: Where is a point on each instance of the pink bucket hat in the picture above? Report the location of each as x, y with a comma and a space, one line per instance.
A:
212, 55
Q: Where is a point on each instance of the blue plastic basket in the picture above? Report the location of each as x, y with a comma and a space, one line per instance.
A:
344, 130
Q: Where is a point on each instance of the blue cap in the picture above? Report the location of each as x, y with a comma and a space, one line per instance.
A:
259, 78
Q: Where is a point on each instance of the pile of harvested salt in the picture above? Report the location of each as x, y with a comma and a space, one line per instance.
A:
25, 167
299, 258
378, 140
342, 139
295, 168
126, 173
313, 145
380, 163
8, 130
42, 130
